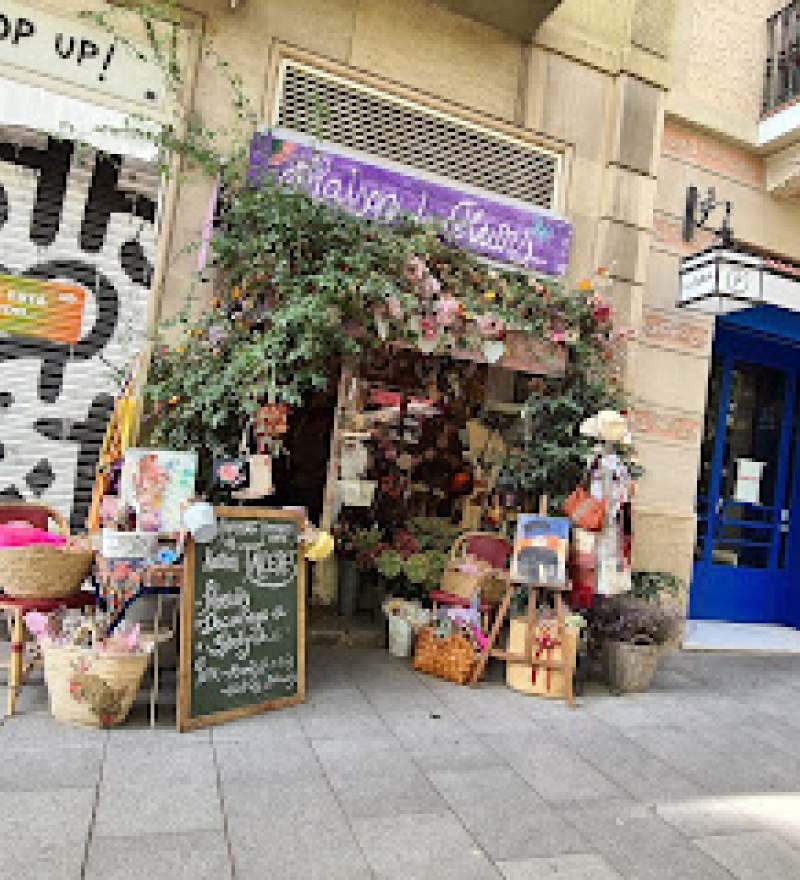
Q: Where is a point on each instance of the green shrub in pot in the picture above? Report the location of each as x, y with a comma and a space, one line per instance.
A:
628, 633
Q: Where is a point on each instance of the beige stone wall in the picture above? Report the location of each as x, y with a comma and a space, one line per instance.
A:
593, 81
720, 51
670, 359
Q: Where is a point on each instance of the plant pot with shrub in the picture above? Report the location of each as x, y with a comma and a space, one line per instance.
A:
628, 635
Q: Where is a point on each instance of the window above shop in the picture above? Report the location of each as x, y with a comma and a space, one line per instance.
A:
781, 103
316, 102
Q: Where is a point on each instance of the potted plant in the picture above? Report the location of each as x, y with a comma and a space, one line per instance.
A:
629, 634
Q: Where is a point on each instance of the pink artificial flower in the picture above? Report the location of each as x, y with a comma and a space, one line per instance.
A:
428, 327
601, 310
491, 327
448, 310
228, 472
558, 336
37, 623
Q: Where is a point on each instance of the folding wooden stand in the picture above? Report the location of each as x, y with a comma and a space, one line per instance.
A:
528, 657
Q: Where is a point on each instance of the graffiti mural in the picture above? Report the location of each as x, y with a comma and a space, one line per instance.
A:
73, 215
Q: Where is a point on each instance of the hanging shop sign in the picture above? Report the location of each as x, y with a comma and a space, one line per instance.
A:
720, 280
75, 52
243, 618
41, 309
496, 227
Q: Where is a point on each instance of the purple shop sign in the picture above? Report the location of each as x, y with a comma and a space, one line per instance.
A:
503, 230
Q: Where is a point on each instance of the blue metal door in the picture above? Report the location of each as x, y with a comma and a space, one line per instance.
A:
747, 547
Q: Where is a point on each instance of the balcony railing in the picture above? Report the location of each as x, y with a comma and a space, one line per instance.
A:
782, 76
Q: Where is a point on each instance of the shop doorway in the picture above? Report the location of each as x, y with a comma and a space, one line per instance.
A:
747, 555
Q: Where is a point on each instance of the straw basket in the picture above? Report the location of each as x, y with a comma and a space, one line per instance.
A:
451, 658
42, 571
90, 688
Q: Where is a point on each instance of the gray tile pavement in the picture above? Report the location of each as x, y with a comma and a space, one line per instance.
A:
387, 774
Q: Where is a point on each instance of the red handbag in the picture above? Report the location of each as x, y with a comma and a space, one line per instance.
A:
585, 511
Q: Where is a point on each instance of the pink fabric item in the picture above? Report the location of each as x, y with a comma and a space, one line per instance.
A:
25, 536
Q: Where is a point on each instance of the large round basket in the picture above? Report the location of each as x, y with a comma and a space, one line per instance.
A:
90, 688
42, 571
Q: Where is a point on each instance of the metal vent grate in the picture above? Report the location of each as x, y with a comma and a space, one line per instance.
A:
324, 106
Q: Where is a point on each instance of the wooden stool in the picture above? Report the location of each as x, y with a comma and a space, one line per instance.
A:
18, 608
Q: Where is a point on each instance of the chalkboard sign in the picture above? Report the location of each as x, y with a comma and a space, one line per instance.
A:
243, 619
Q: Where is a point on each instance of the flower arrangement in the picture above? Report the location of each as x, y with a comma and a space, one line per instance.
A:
627, 619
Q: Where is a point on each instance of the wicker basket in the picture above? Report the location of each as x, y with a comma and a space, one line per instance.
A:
630, 667
452, 658
91, 688
42, 571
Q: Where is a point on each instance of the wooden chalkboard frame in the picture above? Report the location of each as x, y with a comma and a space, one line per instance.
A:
185, 722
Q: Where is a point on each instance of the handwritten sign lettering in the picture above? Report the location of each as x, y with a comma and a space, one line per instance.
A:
76, 52
242, 620
500, 229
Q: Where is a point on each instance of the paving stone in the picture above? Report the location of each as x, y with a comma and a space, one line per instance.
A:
462, 751
555, 771
628, 765
27, 769
638, 844
503, 813
363, 756
63, 814
754, 856
699, 760
388, 794
291, 847
300, 801
269, 727
124, 811
43, 731
422, 847
571, 867
334, 724
200, 855
709, 815
159, 765
290, 760
35, 857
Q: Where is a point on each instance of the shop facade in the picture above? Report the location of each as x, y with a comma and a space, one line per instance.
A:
599, 114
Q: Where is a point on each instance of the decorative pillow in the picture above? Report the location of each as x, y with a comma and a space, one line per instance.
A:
26, 535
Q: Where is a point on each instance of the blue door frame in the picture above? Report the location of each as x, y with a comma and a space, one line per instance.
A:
770, 591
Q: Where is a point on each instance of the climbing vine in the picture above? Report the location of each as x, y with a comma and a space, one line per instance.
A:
301, 285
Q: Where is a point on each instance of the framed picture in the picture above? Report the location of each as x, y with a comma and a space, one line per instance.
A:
156, 483
541, 545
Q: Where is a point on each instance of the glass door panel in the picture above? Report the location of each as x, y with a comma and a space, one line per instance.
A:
747, 514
